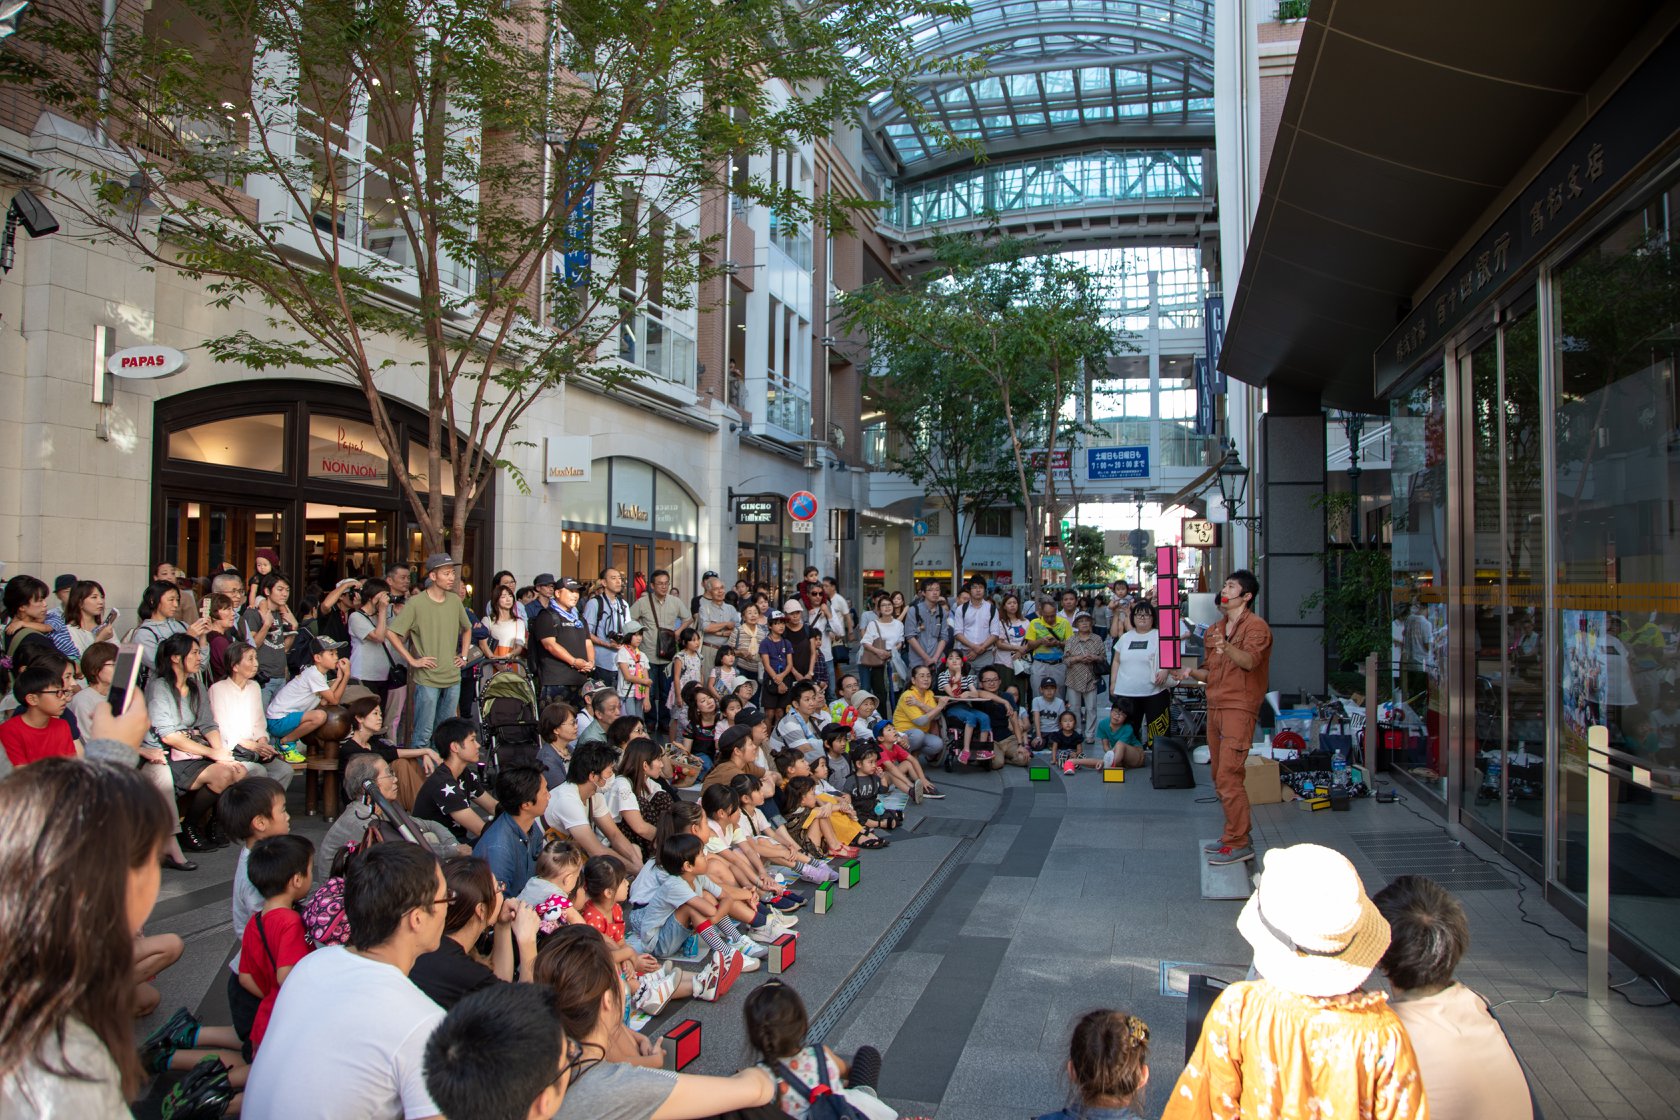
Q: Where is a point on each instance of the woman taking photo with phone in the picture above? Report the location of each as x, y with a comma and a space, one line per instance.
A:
99, 663
158, 609
72, 901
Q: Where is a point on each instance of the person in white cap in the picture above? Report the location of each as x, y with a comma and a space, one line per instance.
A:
1304, 1040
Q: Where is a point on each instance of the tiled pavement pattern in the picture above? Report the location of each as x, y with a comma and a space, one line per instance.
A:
1065, 895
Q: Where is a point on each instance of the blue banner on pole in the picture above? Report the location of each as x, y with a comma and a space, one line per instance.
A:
1116, 462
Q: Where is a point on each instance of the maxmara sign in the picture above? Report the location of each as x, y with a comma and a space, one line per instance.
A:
143, 363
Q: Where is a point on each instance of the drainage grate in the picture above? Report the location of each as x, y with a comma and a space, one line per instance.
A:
966, 828
830, 1014
1428, 853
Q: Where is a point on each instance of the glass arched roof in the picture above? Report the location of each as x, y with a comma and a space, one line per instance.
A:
1054, 72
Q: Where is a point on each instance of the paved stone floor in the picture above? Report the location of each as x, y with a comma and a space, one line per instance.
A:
975, 940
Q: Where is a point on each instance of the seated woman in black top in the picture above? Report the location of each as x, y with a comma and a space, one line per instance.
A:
411, 765
476, 905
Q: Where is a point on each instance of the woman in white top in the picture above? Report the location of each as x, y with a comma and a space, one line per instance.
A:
506, 623
882, 638
75, 899
1136, 672
99, 662
84, 615
370, 657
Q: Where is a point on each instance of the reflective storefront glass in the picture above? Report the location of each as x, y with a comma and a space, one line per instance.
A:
1616, 429
632, 516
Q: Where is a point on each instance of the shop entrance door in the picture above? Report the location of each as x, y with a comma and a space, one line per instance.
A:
200, 536
631, 557
343, 542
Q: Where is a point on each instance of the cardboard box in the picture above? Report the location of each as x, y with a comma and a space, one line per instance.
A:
783, 951
1262, 779
851, 872
823, 897
681, 1044
1114, 774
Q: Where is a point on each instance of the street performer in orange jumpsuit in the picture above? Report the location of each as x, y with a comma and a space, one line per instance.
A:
1234, 673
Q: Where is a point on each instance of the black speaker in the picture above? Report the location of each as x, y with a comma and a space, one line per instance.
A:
1169, 764
1199, 997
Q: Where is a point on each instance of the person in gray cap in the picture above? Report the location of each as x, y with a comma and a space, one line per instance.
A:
432, 634
543, 585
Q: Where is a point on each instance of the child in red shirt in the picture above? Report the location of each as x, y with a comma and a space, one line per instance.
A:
648, 984
39, 729
283, 869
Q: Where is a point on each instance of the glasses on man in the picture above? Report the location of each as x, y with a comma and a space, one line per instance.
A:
448, 898
576, 1063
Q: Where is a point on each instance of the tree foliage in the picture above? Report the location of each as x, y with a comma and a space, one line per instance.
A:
1027, 329
474, 197
1086, 554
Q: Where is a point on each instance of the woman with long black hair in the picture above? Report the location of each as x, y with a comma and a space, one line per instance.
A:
73, 898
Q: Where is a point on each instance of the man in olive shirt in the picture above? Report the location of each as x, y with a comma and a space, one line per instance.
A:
659, 612
432, 634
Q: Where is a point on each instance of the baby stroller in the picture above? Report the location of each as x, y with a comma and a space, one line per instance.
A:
507, 714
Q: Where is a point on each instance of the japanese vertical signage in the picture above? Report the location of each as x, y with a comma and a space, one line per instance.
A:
1631, 125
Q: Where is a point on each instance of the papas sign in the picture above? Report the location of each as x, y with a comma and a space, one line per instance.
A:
144, 363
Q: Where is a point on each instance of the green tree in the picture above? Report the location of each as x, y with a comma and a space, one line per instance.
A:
946, 433
1030, 329
482, 194
1086, 553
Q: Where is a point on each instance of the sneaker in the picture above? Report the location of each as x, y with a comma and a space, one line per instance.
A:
820, 873
692, 949
783, 922
1069, 767
178, 1032
917, 790
933, 795
713, 982
293, 755
1216, 846
752, 945
786, 902
1226, 856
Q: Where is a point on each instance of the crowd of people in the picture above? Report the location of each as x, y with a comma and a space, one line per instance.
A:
482, 925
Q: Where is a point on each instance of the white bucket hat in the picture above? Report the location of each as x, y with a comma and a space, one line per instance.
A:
1313, 929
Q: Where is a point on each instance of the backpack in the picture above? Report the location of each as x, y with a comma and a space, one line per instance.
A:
822, 1103
324, 920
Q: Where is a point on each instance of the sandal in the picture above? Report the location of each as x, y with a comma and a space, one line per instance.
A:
873, 843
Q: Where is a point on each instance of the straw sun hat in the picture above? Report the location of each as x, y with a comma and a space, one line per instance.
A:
1313, 929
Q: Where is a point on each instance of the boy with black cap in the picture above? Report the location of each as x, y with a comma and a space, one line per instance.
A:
297, 709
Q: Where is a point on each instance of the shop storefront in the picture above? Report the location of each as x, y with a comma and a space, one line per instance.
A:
1536, 546
629, 515
293, 466
767, 550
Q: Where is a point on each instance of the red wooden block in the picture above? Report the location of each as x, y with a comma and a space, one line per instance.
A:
783, 950
681, 1044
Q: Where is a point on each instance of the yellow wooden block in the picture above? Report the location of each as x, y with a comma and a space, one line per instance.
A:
1114, 774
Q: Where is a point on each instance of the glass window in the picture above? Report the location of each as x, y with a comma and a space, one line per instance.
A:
1419, 601
632, 495
1616, 422
677, 514
586, 502
248, 443
344, 450
417, 469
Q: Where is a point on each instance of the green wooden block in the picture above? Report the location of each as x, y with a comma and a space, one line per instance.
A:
824, 897
850, 873
1038, 773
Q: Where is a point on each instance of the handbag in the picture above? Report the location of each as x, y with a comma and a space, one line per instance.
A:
868, 656
665, 641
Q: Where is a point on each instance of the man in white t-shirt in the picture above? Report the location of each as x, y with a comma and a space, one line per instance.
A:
296, 709
580, 807
349, 1030
974, 626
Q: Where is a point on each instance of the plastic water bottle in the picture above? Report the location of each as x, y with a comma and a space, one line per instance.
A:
1339, 768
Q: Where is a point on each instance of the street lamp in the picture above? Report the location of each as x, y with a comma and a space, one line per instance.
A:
1233, 481
1354, 424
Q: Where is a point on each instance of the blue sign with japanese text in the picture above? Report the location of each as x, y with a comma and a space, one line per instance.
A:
1116, 462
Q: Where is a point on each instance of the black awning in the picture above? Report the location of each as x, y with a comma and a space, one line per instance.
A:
1404, 123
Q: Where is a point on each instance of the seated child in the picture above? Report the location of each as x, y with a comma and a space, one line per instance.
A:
726, 838
1108, 1066
866, 789
648, 982
813, 820
38, 729
283, 869
1115, 737
1066, 744
737, 894
682, 900
835, 741
752, 794
551, 886
776, 1026
725, 678
1047, 712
